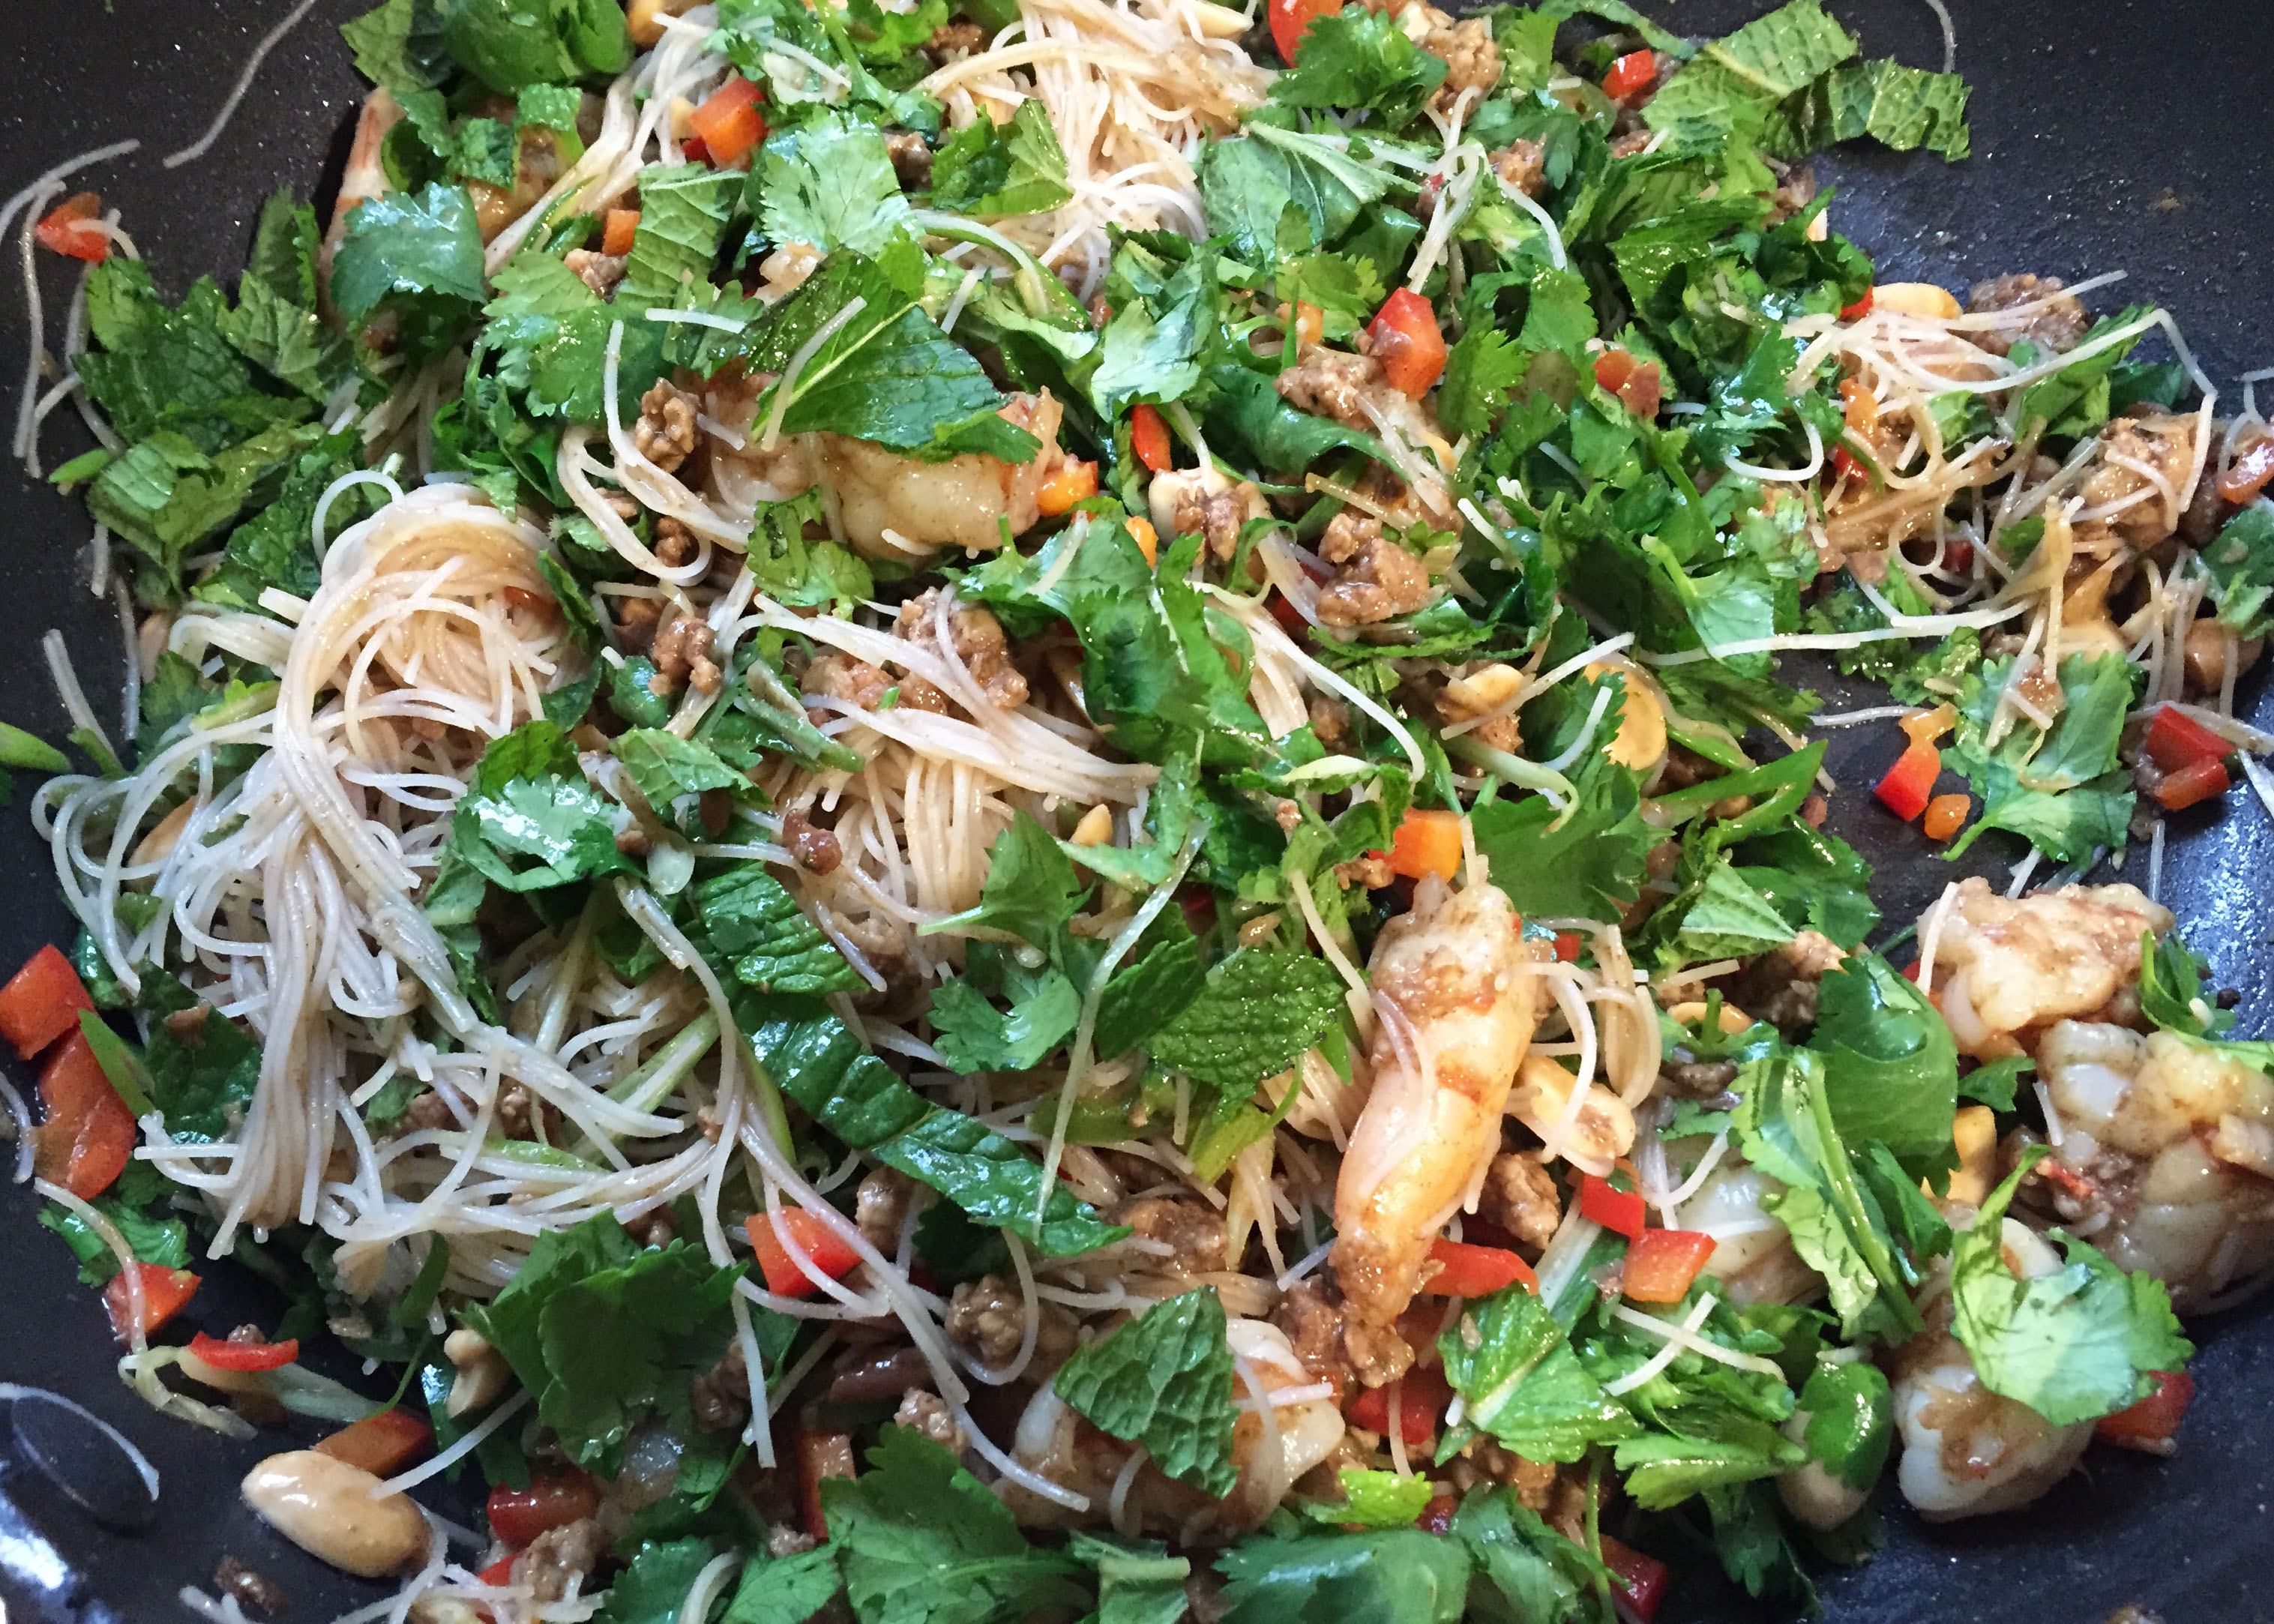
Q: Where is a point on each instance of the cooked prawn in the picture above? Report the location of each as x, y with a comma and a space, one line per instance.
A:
1967, 1450
1456, 999
1753, 1254
2165, 1158
2005, 969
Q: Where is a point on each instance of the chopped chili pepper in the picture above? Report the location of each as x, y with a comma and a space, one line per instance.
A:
2150, 1424
2197, 781
1568, 946
1291, 19
1634, 381
1642, 1578
1465, 1270
41, 1002
728, 123
1860, 308
1620, 1210
1631, 75
2176, 740
1074, 482
1405, 338
1945, 816
552, 1500
164, 1293
69, 228
1148, 438
236, 1356
1907, 784
1662, 1263
822, 1247
1422, 1400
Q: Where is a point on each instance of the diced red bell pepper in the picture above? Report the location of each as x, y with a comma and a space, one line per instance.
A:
1860, 308
2197, 781
1429, 841
1844, 464
1621, 1210
1631, 75
2248, 475
728, 123
1568, 946
2176, 740
164, 1293
1662, 1263
619, 230
1466, 1270
1148, 438
1405, 338
381, 1444
1421, 1401
88, 1133
1291, 18
1946, 815
552, 1500
1643, 1579
41, 1002
822, 1247
1073, 482
2150, 1424
821, 1455
1910, 781
234, 1356
1634, 381
67, 230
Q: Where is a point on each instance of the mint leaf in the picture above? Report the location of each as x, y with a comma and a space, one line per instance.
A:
752, 924
1279, 193
989, 171
419, 255
921, 1541
1509, 1361
1255, 1016
2078, 1343
813, 1057
1164, 1379
1381, 1498
662, 766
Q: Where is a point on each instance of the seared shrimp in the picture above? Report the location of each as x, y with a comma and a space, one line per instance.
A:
1967, 1450
963, 502
2006, 969
1270, 1452
874, 489
1455, 1004
1753, 1256
2166, 1155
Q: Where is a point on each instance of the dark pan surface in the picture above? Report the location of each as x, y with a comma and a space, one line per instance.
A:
2117, 133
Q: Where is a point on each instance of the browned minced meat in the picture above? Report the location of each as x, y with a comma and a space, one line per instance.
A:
1523, 165
674, 543
664, 434
1330, 383
1780, 986
1331, 720
911, 159
1193, 1229
1376, 578
637, 618
923, 1411
522, 1115
2057, 325
2162, 440
554, 1556
721, 1395
881, 1205
841, 676
599, 272
1472, 58
987, 1318
1795, 190
979, 643
952, 40
1520, 1197
234, 1578
1482, 1460
817, 850
681, 652
1217, 516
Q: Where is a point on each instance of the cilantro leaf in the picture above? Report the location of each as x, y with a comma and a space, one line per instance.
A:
2077, 1344
2241, 560
509, 44
1256, 1015
1890, 1064
1388, 1576
1590, 867
529, 821
988, 171
1509, 1361
790, 1590
604, 1331
1279, 192
202, 1078
829, 183
921, 1541
972, 1036
419, 255
651, 1589
1031, 888
1164, 1379
1360, 59
2064, 789
1381, 1498
1136, 1585
1850, 1421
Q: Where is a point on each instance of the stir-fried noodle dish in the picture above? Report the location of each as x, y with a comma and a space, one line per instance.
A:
982, 809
